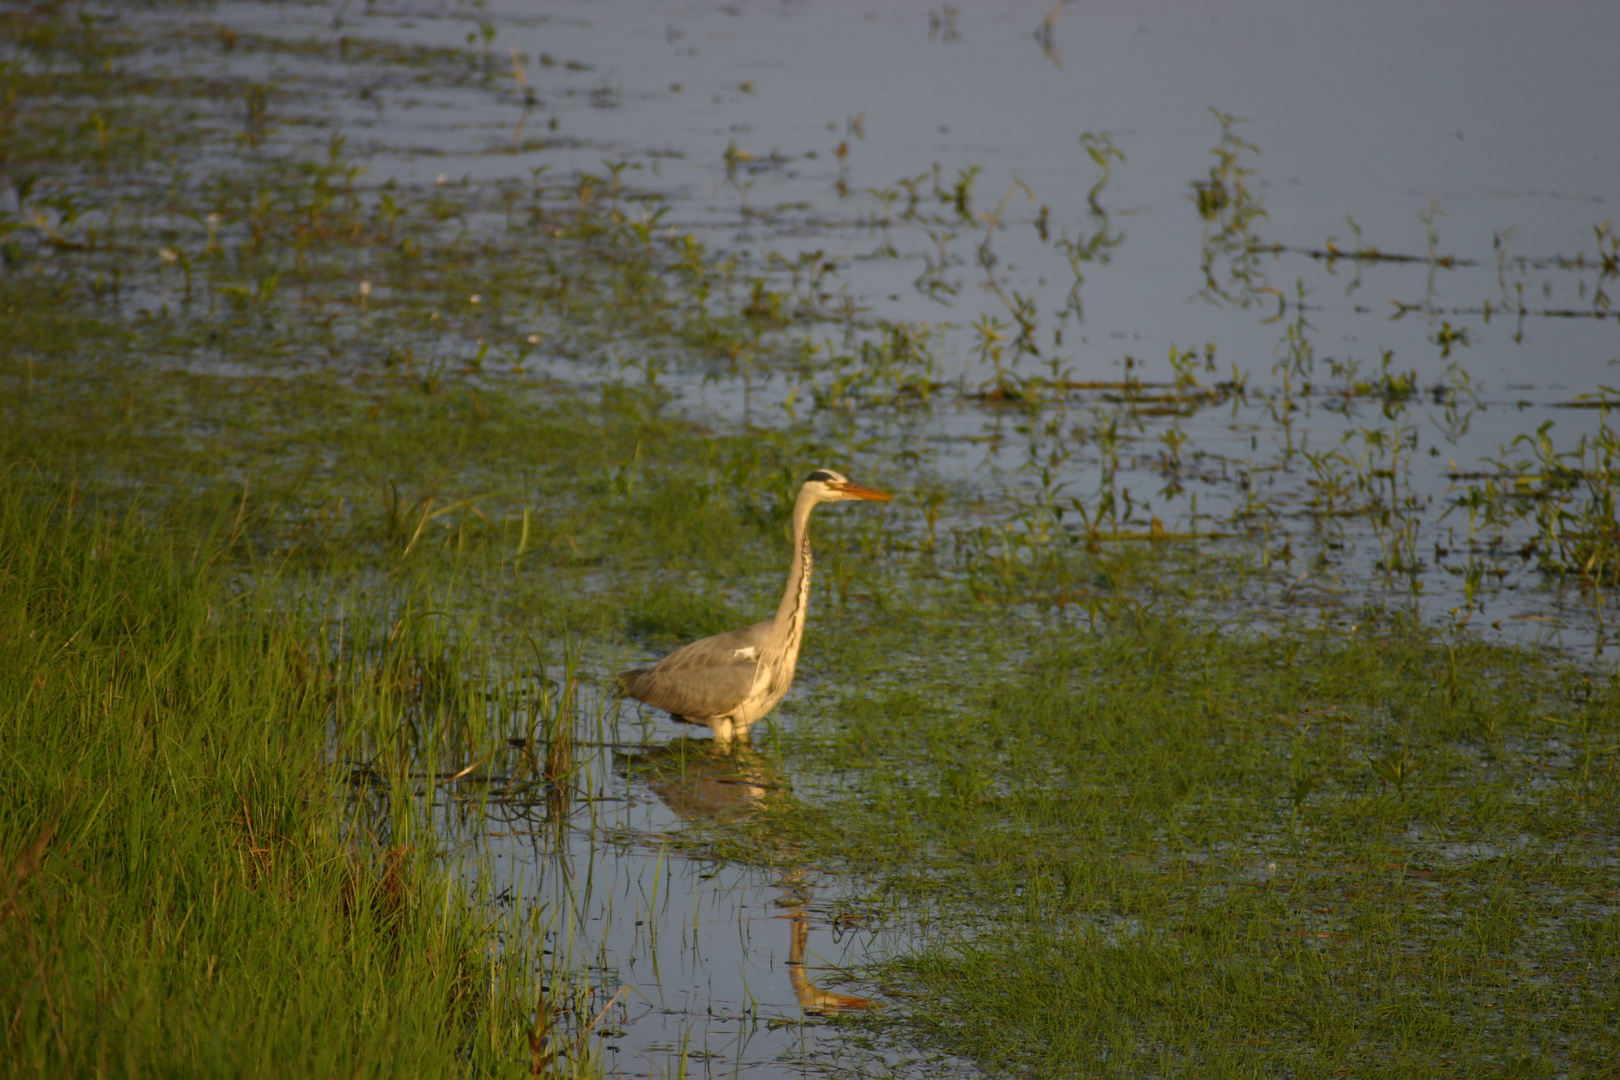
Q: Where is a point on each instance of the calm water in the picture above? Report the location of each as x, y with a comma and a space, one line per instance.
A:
1497, 113
1470, 137
712, 969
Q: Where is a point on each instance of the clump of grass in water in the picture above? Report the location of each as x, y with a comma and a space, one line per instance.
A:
180, 892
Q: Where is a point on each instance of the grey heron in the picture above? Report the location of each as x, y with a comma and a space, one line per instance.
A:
728, 681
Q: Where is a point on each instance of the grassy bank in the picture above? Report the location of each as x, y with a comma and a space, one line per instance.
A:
185, 890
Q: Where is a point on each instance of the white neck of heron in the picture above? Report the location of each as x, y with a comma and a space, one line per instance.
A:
790, 613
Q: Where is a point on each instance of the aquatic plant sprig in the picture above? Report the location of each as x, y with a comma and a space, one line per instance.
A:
1230, 210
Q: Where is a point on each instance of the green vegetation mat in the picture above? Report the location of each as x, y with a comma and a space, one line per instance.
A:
1159, 850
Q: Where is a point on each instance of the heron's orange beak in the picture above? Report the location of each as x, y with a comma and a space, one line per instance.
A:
856, 491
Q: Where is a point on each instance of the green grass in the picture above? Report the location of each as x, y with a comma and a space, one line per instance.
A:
666, 614
1157, 850
185, 890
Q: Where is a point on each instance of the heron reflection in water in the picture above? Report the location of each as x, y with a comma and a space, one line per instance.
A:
729, 681
700, 781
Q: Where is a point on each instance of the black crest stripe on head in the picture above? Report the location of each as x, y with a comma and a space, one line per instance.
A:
820, 474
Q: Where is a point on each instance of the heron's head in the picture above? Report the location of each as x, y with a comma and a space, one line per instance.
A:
824, 485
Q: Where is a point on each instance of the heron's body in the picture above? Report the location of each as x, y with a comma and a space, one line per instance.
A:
729, 681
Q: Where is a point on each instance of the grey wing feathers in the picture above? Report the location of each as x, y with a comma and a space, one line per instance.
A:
704, 680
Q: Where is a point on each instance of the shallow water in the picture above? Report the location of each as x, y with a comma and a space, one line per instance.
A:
697, 967
1469, 140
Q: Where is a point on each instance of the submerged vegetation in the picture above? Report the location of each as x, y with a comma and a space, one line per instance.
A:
333, 499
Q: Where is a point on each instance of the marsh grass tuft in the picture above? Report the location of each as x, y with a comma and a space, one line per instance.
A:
181, 890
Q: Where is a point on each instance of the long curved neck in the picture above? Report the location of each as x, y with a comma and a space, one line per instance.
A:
795, 605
